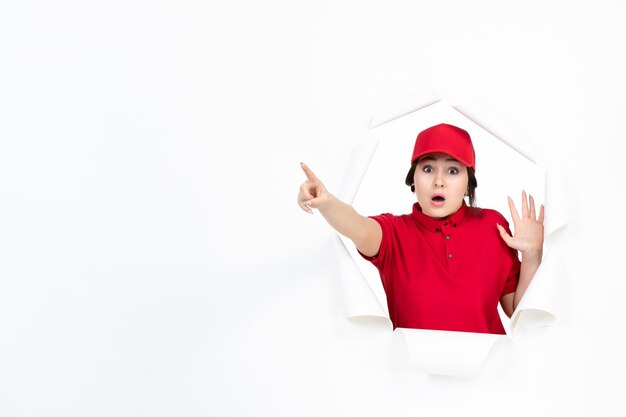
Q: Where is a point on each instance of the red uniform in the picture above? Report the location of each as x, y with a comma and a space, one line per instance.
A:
446, 274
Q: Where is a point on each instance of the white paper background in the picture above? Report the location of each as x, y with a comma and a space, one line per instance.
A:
154, 262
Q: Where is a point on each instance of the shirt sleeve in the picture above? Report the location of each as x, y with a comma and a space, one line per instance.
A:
513, 276
384, 252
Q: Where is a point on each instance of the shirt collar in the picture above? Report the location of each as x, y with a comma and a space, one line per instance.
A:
436, 225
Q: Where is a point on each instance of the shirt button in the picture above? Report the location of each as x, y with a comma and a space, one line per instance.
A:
447, 237
449, 255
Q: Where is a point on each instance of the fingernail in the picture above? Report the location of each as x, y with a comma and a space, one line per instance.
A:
307, 203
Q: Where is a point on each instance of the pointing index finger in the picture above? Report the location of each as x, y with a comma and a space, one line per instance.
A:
307, 171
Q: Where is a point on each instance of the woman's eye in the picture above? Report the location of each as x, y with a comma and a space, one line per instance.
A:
427, 169
453, 171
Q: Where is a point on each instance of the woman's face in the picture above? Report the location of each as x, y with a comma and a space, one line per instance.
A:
440, 184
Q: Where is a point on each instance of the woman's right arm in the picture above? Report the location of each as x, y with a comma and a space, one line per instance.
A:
366, 233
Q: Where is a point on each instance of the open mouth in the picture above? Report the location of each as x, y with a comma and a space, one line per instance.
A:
437, 200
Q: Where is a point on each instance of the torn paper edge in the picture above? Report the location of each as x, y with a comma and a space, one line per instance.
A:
449, 353
530, 313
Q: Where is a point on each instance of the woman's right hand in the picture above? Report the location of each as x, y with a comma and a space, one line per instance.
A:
312, 193
366, 233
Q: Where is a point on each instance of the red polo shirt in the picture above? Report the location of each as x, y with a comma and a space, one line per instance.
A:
446, 274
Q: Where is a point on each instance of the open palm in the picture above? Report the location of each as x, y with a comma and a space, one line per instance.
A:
528, 235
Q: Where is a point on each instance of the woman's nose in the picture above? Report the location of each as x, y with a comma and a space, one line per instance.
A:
438, 180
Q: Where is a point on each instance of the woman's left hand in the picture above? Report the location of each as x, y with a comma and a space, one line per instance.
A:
528, 237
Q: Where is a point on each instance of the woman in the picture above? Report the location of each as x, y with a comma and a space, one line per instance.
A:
445, 266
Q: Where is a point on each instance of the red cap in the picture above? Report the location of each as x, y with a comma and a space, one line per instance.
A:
447, 139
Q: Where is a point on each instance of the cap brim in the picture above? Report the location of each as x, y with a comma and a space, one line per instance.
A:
461, 160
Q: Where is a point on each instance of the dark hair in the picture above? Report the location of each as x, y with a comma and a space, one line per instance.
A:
472, 183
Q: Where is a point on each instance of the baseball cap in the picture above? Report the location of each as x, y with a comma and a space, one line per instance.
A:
447, 139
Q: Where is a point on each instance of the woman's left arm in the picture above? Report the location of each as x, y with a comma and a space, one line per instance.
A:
528, 239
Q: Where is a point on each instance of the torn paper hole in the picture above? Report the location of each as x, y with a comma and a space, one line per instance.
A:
384, 159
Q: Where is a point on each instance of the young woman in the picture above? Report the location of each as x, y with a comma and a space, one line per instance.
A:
445, 266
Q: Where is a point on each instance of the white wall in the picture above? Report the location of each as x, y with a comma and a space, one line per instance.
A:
153, 259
